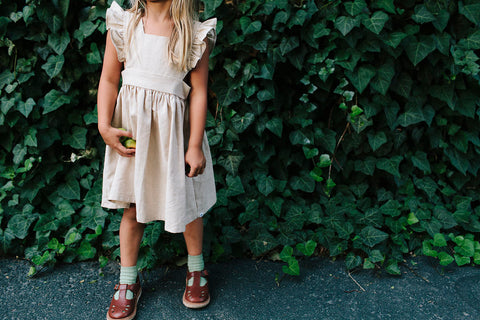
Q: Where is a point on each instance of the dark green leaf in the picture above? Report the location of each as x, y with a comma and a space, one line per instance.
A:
372, 236
77, 139
265, 185
19, 225
345, 24
471, 12
54, 100
390, 165
377, 140
419, 50
235, 186
361, 77
70, 189
355, 7
59, 42
376, 22
422, 15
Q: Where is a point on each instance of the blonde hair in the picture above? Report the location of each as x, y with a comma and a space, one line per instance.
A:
183, 13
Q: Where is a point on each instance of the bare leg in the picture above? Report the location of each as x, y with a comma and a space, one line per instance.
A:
131, 233
194, 237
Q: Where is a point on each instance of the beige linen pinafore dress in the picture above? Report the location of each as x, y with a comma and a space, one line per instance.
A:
153, 104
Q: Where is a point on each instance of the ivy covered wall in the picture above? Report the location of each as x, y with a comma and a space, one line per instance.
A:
346, 125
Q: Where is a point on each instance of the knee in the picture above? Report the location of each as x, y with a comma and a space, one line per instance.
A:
130, 215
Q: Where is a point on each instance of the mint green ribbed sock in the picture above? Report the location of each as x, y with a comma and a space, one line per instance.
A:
195, 263
128, 275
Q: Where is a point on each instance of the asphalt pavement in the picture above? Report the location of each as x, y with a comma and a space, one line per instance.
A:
247, 289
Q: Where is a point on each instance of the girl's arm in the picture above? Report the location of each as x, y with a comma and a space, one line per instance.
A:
106, 99
198, 115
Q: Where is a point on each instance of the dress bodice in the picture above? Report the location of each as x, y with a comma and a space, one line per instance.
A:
145, 56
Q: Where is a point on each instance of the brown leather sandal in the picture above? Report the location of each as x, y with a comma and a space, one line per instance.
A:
123, 308
196, 296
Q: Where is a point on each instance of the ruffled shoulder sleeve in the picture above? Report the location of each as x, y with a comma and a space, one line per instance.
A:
204, 34
116, 21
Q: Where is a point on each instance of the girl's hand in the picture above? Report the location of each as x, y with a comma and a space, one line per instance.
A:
112, 135
196, 160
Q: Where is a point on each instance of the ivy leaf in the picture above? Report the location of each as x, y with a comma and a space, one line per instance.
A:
420, 161
226, 95
275, 125
422, 14
26, 107
361, 77
70, 189
293, 268
439, 240
411, 116
72, 236
395, 38
390, 165
19, 153
377, 140
248, 26
298, 19
345, 24
352, 261
265, 184
235, 186
426, 184
64, 209
355, 7
31, 138
59, 42
54, 65
384, 77
231, 162
93, 216
392, 267
232, 67
53, 100
386, 5
240, 123
288, 44
77, 139
210, 6
303, 182
19, 225
472, 42
444, 258
391, 208
262, 243
6, 237
85, 251
94, 56
275, 205
372, 236
6, 77
419, 50
457, 160
461, 260
471, 12
307, 248
376, 22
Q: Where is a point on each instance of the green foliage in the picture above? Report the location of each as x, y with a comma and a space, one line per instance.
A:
345, 125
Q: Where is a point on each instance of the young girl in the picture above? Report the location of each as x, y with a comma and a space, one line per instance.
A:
157, 43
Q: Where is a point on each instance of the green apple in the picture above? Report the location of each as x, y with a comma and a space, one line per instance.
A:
123, 138
130, 143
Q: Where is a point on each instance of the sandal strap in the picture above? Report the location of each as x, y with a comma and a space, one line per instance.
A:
196, 293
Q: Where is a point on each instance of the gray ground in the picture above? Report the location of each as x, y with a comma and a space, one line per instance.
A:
246, 289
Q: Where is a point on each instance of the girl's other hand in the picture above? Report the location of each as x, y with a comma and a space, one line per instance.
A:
196, 160
112, 135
